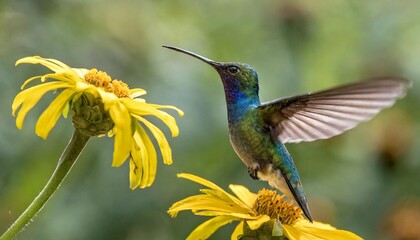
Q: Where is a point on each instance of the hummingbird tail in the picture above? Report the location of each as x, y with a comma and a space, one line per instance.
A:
303, 204
276, 179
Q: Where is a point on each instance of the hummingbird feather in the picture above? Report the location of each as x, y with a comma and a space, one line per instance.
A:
330, 112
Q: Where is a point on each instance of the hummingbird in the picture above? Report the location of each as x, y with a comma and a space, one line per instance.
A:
258, 131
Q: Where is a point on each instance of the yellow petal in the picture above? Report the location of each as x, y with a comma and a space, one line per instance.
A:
201, 181
62, 76
239, 230
123, 136
140, 100
255, 224
94, 91
66, 110
49, 117
306, 230
137, 108
206, 229
28, 98
135, 170
208, 205
180, 112
164, 146
81, 72
305, 223
52, 64
149, 162
137, 92
228, 198
140, 155
244, 194
213, 213
28, 81
60, 64
200, 202
221, 193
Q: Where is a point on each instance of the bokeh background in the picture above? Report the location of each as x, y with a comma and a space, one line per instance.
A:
366, 180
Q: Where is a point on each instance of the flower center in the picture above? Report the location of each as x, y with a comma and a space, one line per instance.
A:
102, 80
271, 204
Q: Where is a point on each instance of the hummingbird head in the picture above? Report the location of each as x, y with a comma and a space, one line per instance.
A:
240, 80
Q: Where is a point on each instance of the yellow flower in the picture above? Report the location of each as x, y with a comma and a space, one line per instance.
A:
100, 105
252, 211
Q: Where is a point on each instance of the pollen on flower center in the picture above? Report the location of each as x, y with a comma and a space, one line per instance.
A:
103, 80
271, 204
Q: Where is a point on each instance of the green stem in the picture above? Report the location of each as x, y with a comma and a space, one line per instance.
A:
65, 163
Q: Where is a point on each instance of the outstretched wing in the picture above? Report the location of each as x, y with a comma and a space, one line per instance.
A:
328, 113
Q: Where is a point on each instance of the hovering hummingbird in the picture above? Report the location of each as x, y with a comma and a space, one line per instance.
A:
258, 131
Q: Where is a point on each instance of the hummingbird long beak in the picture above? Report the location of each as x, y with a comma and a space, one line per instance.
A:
204, 59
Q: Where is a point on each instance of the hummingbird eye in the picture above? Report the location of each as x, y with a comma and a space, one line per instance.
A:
233, 69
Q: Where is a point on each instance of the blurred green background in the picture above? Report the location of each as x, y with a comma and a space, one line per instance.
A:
366, 180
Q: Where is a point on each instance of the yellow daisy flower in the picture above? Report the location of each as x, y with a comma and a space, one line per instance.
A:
100, 105
253, 211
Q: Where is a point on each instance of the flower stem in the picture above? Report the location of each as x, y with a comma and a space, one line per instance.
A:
65, 163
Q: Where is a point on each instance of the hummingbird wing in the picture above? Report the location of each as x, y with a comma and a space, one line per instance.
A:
327, 113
